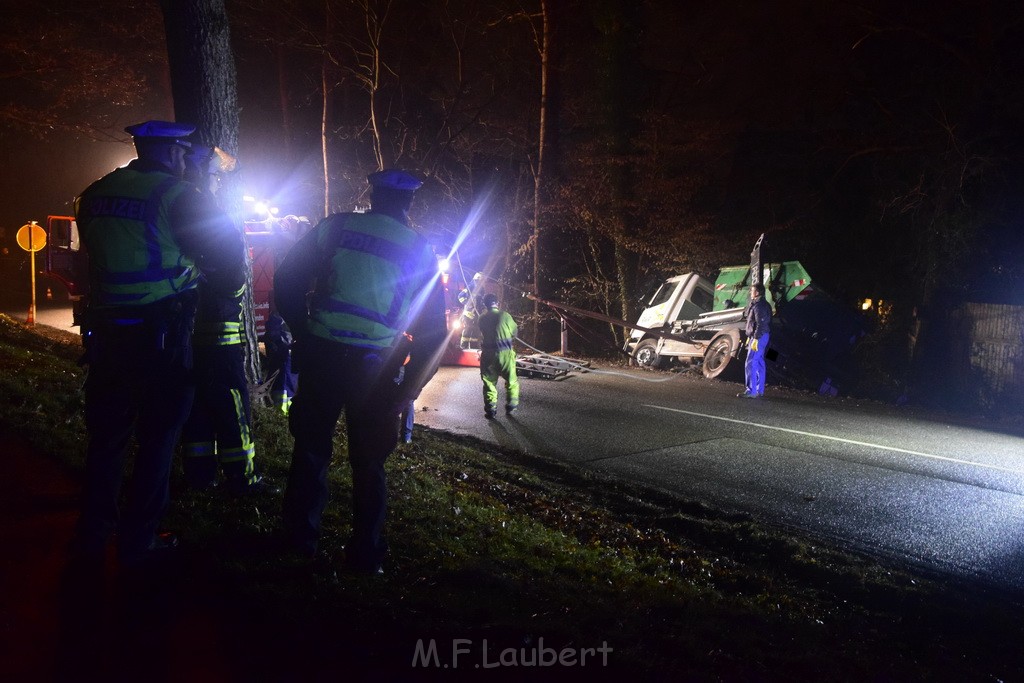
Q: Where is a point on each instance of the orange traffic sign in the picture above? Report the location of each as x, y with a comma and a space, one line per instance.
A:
31, 237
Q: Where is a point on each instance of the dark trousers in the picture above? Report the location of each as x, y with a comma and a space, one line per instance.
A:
279, 360
335, 377
408, 420
133, 386
219, 427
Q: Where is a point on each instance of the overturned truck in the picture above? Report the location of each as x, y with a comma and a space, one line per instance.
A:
691, 320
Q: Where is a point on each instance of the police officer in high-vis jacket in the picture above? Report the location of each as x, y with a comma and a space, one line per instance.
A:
497, 357
218, 432
143, 231
373, 278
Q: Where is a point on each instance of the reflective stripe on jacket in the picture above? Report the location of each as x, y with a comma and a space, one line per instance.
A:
373, 269
134, 259
219, 320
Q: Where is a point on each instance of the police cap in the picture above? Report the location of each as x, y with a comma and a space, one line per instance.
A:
162, 130
394, 179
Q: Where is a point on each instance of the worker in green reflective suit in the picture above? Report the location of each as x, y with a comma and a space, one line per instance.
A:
497, 357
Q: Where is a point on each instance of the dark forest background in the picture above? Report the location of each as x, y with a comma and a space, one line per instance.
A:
878, 142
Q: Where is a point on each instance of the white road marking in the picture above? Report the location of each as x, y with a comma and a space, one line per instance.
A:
839, 439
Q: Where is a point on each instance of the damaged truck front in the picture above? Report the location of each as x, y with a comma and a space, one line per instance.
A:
691, 320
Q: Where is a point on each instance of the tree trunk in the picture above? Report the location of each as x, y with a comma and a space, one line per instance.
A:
625, 273
374, 30
286, 105
202, 68
324, 117
543, 152
619, 50
205, 89
325, 113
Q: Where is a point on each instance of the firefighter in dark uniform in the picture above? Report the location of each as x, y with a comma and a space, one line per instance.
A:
144, 231
471, 311
497, 357
218, 431
373, 278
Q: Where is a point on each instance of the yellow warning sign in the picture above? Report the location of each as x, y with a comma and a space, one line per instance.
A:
31, 237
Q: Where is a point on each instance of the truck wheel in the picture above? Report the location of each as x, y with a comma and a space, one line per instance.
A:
646, 354
718, 357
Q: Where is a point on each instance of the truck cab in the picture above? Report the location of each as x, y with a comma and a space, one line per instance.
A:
677, 301
61, 252
682, 297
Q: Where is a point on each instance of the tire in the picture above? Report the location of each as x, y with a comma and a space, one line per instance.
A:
718, 357
646, 354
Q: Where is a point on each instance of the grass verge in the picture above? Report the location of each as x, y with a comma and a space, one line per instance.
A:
500, 559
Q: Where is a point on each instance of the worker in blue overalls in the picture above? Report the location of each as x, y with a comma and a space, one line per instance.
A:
759, 319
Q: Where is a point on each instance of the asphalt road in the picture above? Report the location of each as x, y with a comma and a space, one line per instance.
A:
889, 481
55, 311
903, 484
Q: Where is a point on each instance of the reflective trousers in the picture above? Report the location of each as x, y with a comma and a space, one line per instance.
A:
219, 427
754, 367
495, 365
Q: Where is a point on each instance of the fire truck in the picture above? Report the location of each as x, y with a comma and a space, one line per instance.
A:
267, 242
62, 244
457, 294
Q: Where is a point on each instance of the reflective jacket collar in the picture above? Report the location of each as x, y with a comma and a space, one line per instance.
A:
149, 166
